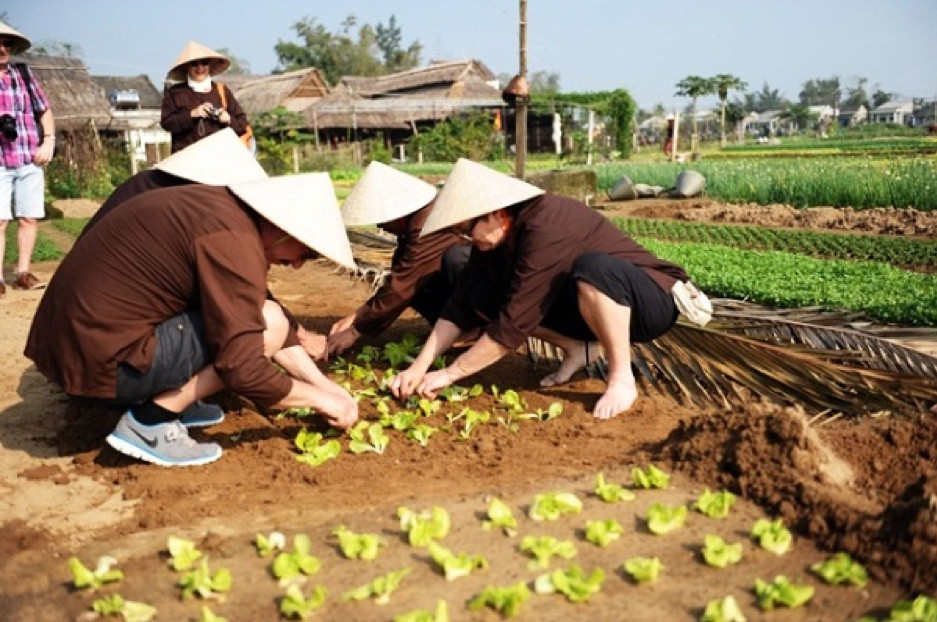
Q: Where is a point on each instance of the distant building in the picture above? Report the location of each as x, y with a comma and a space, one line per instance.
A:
135, 106
849, 117
899, 112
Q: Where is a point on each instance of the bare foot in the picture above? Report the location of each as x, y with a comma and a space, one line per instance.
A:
618, 398
573, 360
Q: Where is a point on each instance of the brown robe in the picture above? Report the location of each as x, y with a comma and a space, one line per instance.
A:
179, 101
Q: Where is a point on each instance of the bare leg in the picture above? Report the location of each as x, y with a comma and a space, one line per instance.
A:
611, 322
207, 382
26, 232
574, 355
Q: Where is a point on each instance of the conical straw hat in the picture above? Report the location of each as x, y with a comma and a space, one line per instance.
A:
194, 51
384, 194
473, 190
303, 206
217, 160
21, 43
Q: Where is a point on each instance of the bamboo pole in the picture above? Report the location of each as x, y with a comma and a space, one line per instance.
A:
520, 104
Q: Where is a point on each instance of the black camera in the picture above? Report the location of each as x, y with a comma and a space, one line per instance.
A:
214, 113
8, 127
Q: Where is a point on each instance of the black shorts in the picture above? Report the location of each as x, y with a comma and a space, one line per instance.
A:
181, 352
653, 311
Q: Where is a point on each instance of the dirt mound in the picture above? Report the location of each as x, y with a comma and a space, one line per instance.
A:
772, 456
76, 208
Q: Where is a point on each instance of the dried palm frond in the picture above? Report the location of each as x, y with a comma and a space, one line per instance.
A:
708, 366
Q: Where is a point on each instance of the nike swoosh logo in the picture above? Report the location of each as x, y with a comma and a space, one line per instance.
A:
150, 442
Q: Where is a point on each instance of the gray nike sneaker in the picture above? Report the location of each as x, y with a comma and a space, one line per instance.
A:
165, 444
201, 415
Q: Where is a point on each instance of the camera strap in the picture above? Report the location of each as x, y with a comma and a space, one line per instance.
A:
25, 74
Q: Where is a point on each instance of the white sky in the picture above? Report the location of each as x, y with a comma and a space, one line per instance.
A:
645, 46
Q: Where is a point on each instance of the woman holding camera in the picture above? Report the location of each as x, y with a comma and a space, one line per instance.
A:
197, 107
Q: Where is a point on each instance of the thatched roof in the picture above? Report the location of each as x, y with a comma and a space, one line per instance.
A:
431, 93
147, 93
75, 98
294, 90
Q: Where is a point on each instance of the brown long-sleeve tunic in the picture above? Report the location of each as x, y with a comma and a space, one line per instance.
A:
179, 101
526, 271
416, 259
162, 253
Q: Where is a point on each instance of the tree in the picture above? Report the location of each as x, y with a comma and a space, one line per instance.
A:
388, 42
857, 95
722, 84
735, 114
800, 115
58, 48
880, 97
820, 92
694, 87
621, 109
346, 52
764, 100
239, 66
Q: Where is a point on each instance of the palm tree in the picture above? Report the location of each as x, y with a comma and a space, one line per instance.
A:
694, 87
722, 84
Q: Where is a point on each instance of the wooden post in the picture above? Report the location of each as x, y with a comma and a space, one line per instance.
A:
589, 141
520, 104
676, 136
315, 129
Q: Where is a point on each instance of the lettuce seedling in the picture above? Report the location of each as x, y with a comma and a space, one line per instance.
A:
404, 351
723, 610
772, 535
377, 439
289, 565
266, 545
368, 354
401, 420
132, 611
380, 588
715, 504
202, 583
500, 515
651, 478
182, 552
314, 451
643, 569
455, 393
472, 419
455, 565
421, 615
603, 532
554, 410
543, 548
719, 554
662, 519
424, 527
93, 579
358, 545
550, 506
510, 400
611, 493
421, 433
505, 600
574, 583
295, 605
429, 407
841, 568
208, 615
781, 592
921, 609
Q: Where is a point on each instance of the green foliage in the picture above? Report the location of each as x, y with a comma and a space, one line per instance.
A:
45, 249
463, 136
781, 592
500, 516
376, 440
380, 588
772, 535
441, 614
611, 493
290, 564
455, 565
83, 578
574, 584
266, 545
621, 109
505, 600
651, 478
719, 554
543, 548
643, 569
898, 251
715, 504
358, 545
82, 169
841, 568
921, 609
662, 518
129, 610
71, 226
424, 527
377, 150
603, 532
295, 605
182, 552
883, 292
552, 505
203, 583
314, 451
723, 610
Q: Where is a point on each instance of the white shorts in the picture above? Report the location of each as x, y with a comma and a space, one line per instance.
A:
22, 192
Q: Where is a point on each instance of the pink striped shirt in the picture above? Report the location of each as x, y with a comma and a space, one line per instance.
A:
15, 102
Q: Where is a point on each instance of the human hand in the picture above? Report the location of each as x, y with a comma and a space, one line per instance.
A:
406, 382
44, 153
340, 409
433, 382
224, 117
343, 324
202, 111
313, 343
